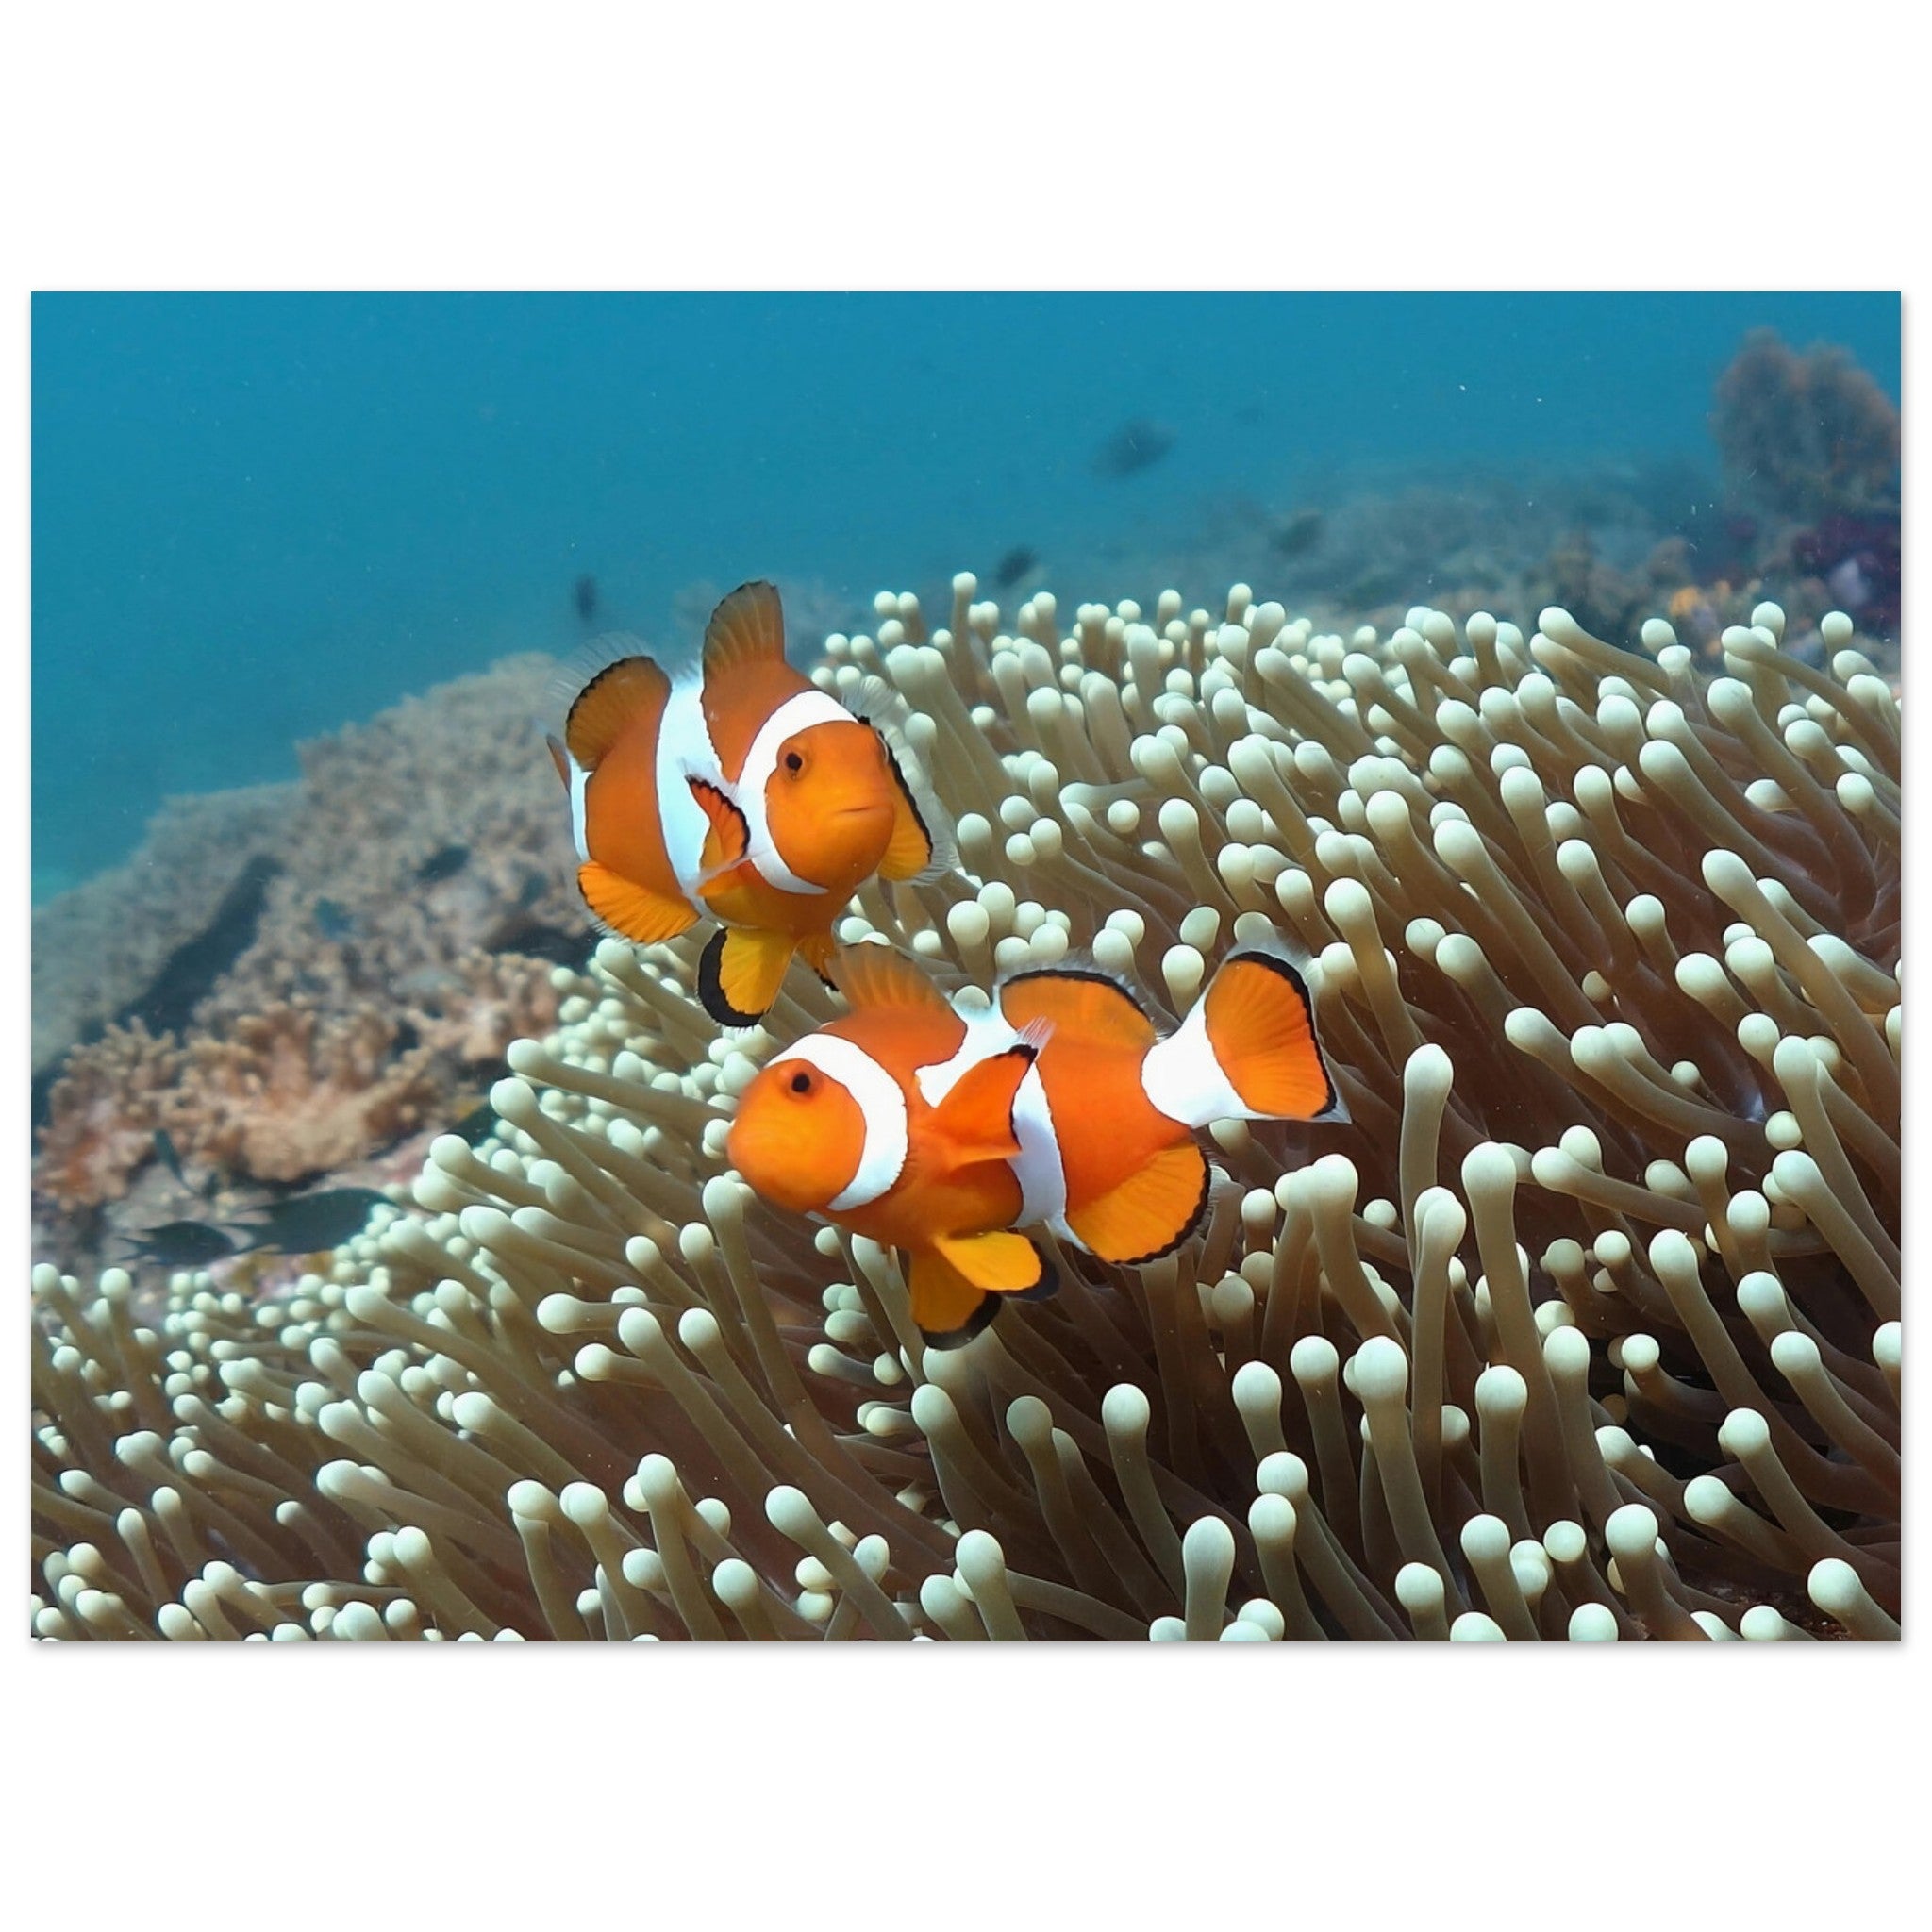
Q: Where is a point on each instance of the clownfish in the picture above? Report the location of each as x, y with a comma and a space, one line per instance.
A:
941, 1129
740, 792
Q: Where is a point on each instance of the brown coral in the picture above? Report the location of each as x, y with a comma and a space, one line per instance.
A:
1807, 436
424, 886
290, 1093
102, 1115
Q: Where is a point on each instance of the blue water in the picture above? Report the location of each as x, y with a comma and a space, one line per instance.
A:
256, 517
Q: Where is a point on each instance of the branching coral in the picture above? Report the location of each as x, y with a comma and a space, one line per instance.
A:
424, 884
1588, 1327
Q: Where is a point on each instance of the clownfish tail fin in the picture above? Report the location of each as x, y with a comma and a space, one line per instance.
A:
1248, 1049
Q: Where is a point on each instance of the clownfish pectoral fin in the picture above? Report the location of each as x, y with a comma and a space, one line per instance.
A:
1152, 1212
611, 700
635, 911
727, 836
741, 971
976, 1119
558, 756
910, 850
922, 844
1261, 1022
872, 977
746, 628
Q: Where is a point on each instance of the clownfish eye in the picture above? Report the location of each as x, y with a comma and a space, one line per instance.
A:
794, 761
801, 1083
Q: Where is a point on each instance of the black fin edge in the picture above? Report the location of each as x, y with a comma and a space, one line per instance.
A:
598, 677
1193, 1224
906, 791
710, 986
730, 804
958, 1337
1333, 1108
982, 1317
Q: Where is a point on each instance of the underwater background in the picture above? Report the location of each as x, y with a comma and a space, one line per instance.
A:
258, 518
1534, 662
304, 567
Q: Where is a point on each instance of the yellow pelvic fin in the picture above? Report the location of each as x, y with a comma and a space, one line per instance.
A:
741, 972
1000, 1262
1151, 1212
958, 1283
634, 910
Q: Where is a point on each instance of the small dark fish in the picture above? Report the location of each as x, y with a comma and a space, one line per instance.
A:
180, 1244
331, 922
1134, 445
169, 1156
308, 1223
477, 1125
1299, 533
583, 597
1014, 565
443, 863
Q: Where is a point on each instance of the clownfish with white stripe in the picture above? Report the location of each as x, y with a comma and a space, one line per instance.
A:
941, 1129
740, 792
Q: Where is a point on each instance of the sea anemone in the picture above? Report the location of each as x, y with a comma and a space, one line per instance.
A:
1586, 1327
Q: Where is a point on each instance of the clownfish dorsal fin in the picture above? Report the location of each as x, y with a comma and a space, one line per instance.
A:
976, 1118
609, 702
727, 836
874, 976
746, 628
1093, 1006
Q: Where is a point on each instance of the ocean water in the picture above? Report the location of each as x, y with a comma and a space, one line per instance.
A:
259, 518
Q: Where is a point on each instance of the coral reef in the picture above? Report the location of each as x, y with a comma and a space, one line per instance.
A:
410, 897
98, 949
1587, 1326
1804, 437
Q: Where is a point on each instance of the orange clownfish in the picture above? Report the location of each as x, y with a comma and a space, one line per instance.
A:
939, 1129
739, 791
